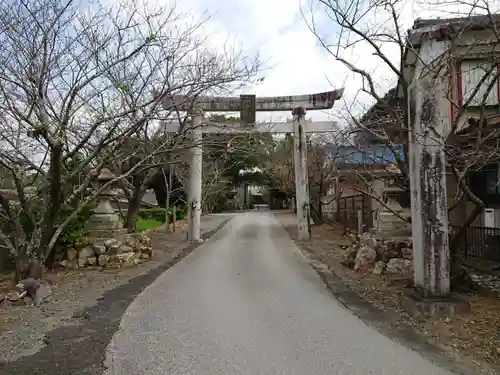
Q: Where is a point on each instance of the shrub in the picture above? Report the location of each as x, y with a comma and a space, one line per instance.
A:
158, 214
76, 230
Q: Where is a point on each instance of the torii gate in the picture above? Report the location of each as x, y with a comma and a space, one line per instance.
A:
248, 105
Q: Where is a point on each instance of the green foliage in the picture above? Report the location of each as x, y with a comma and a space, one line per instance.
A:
158, 214
151, 37
123, 87
145, 224
75, 232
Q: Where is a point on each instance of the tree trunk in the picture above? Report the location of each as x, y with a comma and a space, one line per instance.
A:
132, 213
53, 203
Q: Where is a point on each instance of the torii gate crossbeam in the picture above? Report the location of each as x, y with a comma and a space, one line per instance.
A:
248, 105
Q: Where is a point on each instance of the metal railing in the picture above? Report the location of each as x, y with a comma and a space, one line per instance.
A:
348, 211
479, 242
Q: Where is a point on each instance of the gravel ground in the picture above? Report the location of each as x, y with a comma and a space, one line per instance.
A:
34, 333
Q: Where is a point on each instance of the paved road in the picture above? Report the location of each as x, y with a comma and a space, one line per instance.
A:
246, 302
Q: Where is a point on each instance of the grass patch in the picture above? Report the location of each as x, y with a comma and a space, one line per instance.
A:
145, 224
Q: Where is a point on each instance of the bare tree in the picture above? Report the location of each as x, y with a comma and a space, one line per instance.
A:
196, 70
225, 156
78, 86
320, 164
377, 28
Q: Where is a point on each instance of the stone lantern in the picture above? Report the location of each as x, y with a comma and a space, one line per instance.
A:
105, 223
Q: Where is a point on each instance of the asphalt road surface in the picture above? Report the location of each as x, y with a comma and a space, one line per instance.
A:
247, 302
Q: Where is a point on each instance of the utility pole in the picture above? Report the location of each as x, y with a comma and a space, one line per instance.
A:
301, 178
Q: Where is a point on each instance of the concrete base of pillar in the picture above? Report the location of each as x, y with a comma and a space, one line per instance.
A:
421, 308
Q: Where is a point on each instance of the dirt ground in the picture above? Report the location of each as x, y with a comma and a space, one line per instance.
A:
474, 336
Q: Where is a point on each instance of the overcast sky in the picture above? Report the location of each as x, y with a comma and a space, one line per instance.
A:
276, 29
296, 63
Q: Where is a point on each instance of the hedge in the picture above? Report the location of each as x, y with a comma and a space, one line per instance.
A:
158, 214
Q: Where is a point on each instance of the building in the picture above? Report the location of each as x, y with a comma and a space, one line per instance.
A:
465, 54
368, 181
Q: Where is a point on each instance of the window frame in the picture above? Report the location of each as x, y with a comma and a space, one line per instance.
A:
460, 85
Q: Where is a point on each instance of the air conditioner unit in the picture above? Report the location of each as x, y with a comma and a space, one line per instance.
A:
490, 218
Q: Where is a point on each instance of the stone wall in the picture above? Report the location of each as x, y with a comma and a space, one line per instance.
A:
371, 253
134, 249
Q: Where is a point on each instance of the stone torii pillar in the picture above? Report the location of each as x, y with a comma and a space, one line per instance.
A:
195, 178
429, 127
301, 175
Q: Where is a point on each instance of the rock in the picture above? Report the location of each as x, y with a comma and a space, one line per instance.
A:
136, 259
365, 259
34, 291
64, 263
352, 237
112, 242
369, 240
71, 254
399, 266
92, 261
379, 268
407, 253
82, 262
13, 299
146, 240
149, 252
44, 291
129, 258
123, 249
141, 249
130, 240
113, 246
374, 243
349, 256
399, 243
98, 250
85, 253
144, 256
103, 260
126, 257
387, 254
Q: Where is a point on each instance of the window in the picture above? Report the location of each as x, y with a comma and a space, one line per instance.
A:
485, 182
472, 72
491, 182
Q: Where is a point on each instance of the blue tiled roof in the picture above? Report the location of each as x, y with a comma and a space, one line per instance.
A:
365, 155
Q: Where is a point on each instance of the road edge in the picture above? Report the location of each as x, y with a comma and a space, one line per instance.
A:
80, 348
379, 320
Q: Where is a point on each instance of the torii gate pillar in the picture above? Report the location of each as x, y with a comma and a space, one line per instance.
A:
195, 178
301, 177
429, 213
